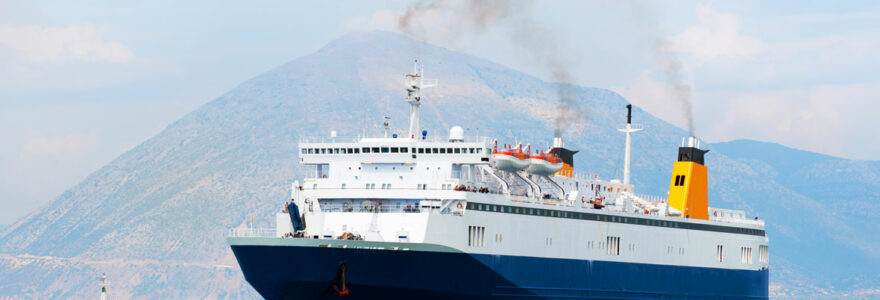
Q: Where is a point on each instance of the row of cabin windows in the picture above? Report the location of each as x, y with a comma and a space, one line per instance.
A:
607, 218
372, 186
391, 150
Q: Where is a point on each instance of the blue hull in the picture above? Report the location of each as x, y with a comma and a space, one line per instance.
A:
304, 272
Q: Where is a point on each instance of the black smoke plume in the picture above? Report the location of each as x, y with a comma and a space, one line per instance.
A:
535, 44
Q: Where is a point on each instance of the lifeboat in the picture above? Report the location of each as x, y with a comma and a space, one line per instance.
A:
510, 159
545, 164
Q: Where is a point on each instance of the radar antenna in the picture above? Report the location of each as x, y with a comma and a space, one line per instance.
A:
415, 82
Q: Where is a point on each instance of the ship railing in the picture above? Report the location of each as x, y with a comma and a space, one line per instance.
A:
252, 232
355, 139
441, 206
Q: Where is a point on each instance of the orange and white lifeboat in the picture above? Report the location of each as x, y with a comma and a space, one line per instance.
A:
510, 159
545, 164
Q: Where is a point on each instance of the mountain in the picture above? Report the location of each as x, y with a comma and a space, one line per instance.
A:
155, 218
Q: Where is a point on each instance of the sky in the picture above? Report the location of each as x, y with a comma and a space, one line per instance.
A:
81, 82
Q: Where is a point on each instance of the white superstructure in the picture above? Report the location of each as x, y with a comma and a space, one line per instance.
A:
449, 191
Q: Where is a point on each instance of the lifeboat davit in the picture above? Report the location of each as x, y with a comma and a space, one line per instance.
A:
511, 160
545, 164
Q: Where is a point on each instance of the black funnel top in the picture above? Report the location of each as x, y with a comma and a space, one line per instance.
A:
629, 114
691, 154
566, 155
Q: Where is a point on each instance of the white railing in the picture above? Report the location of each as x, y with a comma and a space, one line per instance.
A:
252, 232
355, 139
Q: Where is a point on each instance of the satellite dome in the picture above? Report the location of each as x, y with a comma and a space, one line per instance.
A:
456, 134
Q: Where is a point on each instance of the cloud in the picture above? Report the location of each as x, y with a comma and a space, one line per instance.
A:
832, 118
38, 44
655, 96
56, 150
716, 35
825, 118
381, 20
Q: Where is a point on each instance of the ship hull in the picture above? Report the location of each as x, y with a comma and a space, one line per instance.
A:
301, 269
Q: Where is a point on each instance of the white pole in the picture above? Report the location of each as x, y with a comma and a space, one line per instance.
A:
626, 153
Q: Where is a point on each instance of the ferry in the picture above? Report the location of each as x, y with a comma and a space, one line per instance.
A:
426, 217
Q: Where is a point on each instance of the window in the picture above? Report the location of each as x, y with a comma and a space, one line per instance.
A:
471, 150
435, 150
421, 150
442, 150
356, 150
384, 149
679, 180
365, 150
404, 150
449, 150
457, 150
375, 150
395, 150
720, 250
476, 236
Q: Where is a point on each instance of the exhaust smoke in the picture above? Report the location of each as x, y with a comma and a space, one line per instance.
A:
534, 44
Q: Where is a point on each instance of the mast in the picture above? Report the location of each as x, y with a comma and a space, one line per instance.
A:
629, 129
103, 286
415, 82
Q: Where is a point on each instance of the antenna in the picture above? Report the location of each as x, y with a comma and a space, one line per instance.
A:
387, 125
629, 129
104, 283
415, 82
